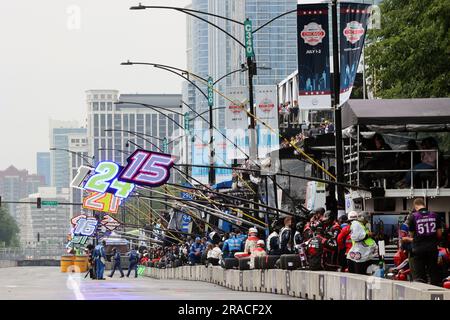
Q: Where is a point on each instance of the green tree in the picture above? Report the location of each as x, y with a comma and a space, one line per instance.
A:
409, 57
8, 229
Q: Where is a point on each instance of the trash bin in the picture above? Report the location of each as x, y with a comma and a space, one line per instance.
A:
81, 263
67, 262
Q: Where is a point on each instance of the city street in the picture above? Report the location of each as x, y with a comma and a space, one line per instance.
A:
225, 150
48, 283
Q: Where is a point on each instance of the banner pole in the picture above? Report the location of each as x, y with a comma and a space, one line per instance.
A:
337, 112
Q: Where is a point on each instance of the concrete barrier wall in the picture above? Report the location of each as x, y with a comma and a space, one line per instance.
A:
7, 264
39, 263
313, 285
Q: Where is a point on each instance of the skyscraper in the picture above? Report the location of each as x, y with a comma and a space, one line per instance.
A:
117, 145
210, 52
52, 223
59, 159
43, 166
79, 156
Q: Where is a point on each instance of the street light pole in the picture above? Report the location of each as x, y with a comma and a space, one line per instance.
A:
212, 170
78, 154
209, 96
337, 111
251, 72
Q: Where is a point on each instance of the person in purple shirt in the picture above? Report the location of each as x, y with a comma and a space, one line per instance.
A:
425, 229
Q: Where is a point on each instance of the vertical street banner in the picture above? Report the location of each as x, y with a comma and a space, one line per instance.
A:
200, 154
221, 158
313, 56
186, 222
236, 123
266, 117
353, 27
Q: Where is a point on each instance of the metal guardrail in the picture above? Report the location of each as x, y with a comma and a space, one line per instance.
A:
349, 158
17, 254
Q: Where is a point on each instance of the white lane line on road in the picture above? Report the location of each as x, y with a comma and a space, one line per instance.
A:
73, 283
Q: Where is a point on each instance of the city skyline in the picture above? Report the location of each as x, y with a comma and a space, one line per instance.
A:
51, 59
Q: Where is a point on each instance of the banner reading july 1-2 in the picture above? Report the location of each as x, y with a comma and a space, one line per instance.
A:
313, 56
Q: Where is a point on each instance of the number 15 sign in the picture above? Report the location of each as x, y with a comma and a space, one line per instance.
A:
147, 168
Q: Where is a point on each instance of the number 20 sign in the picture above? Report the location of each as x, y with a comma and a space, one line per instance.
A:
147, 168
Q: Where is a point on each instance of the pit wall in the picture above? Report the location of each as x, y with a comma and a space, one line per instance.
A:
313, 285
7, 264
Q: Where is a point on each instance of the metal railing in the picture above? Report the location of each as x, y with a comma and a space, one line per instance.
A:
16, 254
355, 157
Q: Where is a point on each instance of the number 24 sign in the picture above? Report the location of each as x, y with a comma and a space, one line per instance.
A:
143, 168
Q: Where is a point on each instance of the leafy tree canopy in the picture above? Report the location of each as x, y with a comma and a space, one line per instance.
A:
409, 57
8, 228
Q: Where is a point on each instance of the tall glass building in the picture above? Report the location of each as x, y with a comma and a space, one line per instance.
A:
43, 166
59, 159
210, 52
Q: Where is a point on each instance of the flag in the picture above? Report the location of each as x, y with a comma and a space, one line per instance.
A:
313, 56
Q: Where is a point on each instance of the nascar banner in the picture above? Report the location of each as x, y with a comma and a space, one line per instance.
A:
236, 123
313, 56
267, 117
354, 18
200, 155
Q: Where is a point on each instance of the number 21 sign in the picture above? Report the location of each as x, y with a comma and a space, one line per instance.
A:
147, 168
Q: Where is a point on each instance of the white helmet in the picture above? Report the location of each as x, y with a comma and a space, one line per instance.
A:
260, 243
353, 215
253, 230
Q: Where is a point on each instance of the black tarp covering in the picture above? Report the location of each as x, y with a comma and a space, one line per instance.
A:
396, 112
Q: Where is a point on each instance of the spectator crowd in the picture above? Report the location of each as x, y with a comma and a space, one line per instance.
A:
318, 242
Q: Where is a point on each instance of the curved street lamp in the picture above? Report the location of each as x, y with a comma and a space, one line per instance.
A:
87, 159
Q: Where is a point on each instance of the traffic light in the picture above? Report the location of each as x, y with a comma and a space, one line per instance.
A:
38, 237
38, 203
0, 201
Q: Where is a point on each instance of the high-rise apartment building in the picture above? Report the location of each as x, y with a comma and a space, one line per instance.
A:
59, 159
43, 166
47, 226
133, 125
79, 155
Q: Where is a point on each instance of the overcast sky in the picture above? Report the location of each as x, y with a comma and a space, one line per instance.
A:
50, 55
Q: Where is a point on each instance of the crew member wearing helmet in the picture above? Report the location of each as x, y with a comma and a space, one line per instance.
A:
344, 240
273, 240
250, 243
331, 232
364, 248
259, 251
298, 236
330, 226
285, 236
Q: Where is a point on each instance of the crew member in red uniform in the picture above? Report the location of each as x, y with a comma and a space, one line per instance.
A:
331, 230
252, 240
344, 241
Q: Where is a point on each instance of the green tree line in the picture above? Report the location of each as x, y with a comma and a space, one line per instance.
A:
8, 229
409, 57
